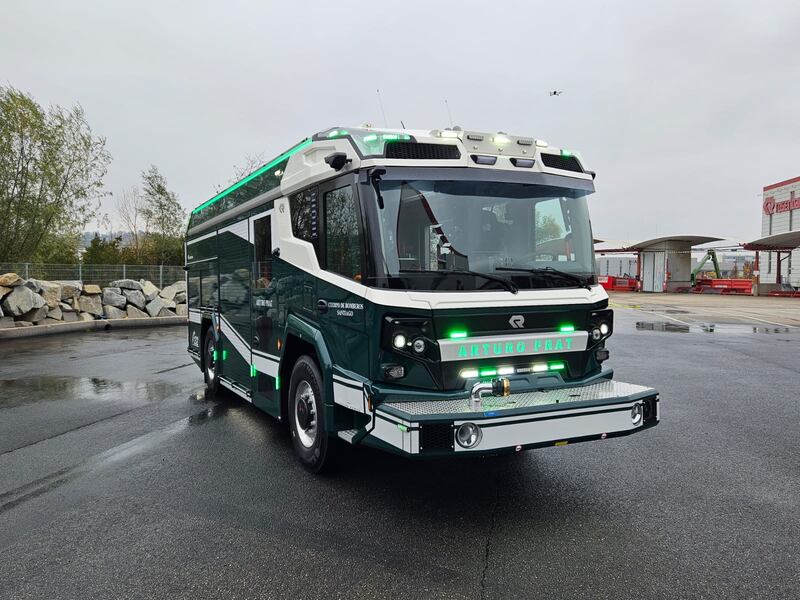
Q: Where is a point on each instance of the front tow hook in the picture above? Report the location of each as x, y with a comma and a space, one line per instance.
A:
496, 387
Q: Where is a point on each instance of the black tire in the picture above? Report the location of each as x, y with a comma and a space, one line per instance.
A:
210, 369
307, 416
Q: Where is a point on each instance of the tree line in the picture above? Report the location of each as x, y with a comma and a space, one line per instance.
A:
52, 167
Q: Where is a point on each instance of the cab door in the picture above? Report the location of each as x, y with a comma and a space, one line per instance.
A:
265, 313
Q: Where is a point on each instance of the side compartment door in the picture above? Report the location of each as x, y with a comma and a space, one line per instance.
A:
265, 315
235, 252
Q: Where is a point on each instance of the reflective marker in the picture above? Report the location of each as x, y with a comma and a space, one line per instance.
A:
455, 335
557, 366
566, 328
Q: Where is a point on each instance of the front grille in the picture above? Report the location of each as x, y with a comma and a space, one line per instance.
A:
437, 436
565, 163
413, 150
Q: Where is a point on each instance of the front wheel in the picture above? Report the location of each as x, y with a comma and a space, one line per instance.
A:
210, 364
307, 416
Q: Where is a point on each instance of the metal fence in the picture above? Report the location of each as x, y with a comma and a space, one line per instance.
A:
160, 275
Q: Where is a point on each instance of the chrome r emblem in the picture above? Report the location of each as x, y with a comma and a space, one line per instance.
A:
517, 321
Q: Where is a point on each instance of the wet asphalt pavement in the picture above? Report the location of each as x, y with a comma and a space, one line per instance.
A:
118, 479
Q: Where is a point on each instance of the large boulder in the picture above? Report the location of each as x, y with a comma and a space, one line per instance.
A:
135, 297
55, 313
170, 291
4, 290
65, 307
85, 317
23, 324
70, 317
70, 289
33, 285
135, 313
10, 280
21, 300
91, 288
165, 312
7, 322
50, 291
127, 284
91, 304
180, 298
181, 310
112, 312
149, 290
155, 306
169, 303
35, 315
114, 298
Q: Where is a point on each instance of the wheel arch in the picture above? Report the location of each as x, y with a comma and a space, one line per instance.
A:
302, 338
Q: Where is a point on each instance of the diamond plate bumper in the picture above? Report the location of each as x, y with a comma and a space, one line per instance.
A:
519, 421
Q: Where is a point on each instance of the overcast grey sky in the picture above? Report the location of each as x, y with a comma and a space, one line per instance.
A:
685, 109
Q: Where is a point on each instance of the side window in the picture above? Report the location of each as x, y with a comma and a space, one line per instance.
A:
263, 242
193, 290
209, 285
303, 209
342, 239
550, 231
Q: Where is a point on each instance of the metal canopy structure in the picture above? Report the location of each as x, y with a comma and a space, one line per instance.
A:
777, 242
654, 243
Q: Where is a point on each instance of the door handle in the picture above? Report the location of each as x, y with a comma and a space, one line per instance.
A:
322, 305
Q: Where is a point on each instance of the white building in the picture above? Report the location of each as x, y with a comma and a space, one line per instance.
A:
780, 214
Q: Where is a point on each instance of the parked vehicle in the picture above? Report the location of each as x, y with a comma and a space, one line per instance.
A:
430, 293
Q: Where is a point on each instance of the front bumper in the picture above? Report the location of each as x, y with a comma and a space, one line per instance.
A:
598, 410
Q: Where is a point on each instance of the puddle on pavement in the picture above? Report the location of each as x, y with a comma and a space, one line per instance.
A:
731, 328
16, 392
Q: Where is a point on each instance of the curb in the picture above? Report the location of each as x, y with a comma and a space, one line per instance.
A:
97, 325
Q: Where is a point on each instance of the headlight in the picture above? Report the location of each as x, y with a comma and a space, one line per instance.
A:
604, 328
468, 435
418, 345
399, 341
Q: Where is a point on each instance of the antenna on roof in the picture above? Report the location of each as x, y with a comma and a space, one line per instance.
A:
449, 115
383, 112
403, 125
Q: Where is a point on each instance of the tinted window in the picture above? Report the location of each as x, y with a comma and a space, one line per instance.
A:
303, 208
342, 241
263, 244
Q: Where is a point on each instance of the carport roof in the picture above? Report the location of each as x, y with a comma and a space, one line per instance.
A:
689, 240
776, 242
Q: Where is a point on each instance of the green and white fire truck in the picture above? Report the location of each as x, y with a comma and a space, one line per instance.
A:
429, 293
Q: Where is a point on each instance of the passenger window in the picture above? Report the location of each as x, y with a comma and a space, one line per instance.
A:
303, 209
342, 239
263, 243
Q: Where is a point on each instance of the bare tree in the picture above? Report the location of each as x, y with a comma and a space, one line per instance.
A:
129, 208
250, 163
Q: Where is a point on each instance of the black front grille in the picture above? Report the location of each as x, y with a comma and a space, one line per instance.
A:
413, 150
566, 163
435, 436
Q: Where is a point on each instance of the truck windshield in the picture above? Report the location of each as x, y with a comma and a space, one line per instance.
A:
443, 235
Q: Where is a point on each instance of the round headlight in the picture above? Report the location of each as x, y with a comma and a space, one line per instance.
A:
399, 341
604, 328
596, 334
418, 345
468, 435
636, 414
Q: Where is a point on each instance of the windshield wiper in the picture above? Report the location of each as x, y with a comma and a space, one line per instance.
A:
506, 283
581, 281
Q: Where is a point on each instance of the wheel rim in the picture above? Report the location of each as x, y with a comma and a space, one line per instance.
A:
305, 414
211, 364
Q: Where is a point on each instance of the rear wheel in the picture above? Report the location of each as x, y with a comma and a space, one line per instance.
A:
307, 416
210, 366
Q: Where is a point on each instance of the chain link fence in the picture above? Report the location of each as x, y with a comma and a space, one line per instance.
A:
160, 275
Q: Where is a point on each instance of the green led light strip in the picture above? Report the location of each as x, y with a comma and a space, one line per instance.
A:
252, 175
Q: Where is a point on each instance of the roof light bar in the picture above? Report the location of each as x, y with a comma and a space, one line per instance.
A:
253, 175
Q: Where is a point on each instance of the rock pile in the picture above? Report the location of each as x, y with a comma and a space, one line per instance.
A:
28, 302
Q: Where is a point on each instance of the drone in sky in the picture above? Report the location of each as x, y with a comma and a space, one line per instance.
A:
556, 92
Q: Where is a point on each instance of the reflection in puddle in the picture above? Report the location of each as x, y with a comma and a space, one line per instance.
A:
662, 326
16, 392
